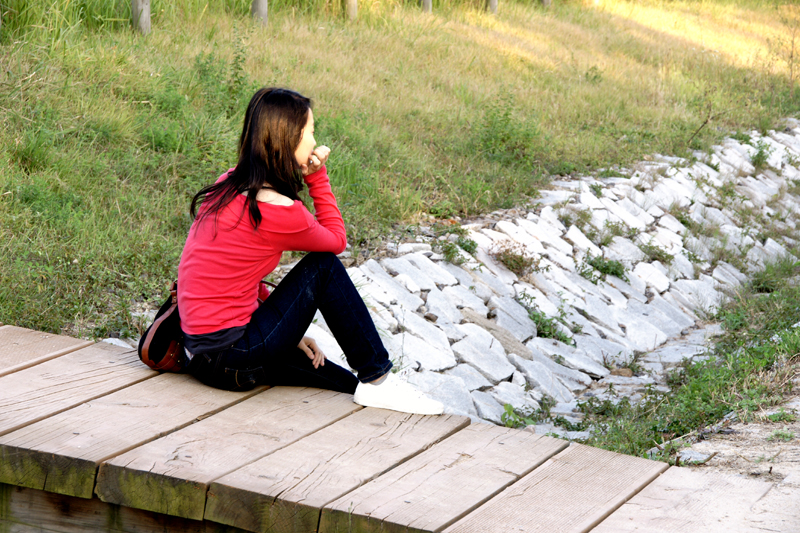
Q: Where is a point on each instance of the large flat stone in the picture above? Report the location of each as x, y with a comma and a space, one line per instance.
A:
473, 379
462, 297
699, 295
643, 335
410, 350
416, 325
396, 292
673, 354
658, 319
441, 306
604, 350
506, 338
508, 393
449, 390
401, 265
571, 357
433, 270
513, 317
624, 251
488, 407
574, 380
542, 379
485, 353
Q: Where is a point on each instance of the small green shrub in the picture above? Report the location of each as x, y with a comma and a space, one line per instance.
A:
467, 244
514, 257
546, 327
607, 267
596, 189
781, 416
655, 253
781, 434
759, 159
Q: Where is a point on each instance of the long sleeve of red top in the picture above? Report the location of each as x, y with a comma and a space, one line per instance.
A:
223, 262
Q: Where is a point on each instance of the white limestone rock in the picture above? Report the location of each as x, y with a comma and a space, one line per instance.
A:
624, 251
603, 350
512, 316
641, 334
473, 379
441, 306
463, 277
529, 293
582, 242
432, 270
532, 244
658, 319
483, 352
542, 379
626, 288
571, 357
395, 292
411, 247
574, 380
462, 297
416, 325
487, 407
508, 393
672, 311
405, 348
698, 295
449, 390
652, 277
406, 281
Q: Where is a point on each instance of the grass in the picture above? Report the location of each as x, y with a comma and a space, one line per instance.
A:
752, 368
107, 134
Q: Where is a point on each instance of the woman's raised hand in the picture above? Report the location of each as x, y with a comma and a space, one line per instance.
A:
318, 158
309, 346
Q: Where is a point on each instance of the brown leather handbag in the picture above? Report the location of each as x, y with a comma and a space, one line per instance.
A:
161, 346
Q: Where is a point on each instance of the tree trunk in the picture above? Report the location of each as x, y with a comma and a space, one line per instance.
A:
140, 9
491, 6
259, 10
352, 9
427, 6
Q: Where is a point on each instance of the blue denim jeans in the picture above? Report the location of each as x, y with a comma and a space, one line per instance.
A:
267, 353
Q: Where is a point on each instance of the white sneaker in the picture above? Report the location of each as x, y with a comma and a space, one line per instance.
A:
395, 394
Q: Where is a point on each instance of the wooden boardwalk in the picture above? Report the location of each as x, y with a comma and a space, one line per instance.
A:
92, 440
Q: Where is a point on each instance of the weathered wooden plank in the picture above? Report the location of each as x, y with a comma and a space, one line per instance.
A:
285, 490
572, 492
48, 388
26, 510
442, 484
171, 475
21, 348
685, 501
61, 453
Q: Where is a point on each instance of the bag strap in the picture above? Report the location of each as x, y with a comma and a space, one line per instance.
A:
173, 291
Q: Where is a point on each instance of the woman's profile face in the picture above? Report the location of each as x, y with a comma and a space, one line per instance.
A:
307, 142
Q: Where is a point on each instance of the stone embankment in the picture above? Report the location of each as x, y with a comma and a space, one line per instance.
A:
679, 234
686, 233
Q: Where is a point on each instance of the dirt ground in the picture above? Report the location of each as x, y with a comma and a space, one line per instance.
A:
762, 450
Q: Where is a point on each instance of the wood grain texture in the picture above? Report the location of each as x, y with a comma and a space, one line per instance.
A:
21, 348
171, 475
61, 453
442, 484
571, 492
25, 510
685, 501
285, 490
48, 388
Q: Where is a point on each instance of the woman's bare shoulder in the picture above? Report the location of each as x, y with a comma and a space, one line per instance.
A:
269, 196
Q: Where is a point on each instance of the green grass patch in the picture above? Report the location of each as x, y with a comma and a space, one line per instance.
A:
751, 368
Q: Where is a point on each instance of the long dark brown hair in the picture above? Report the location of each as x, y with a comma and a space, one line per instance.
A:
273, 126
